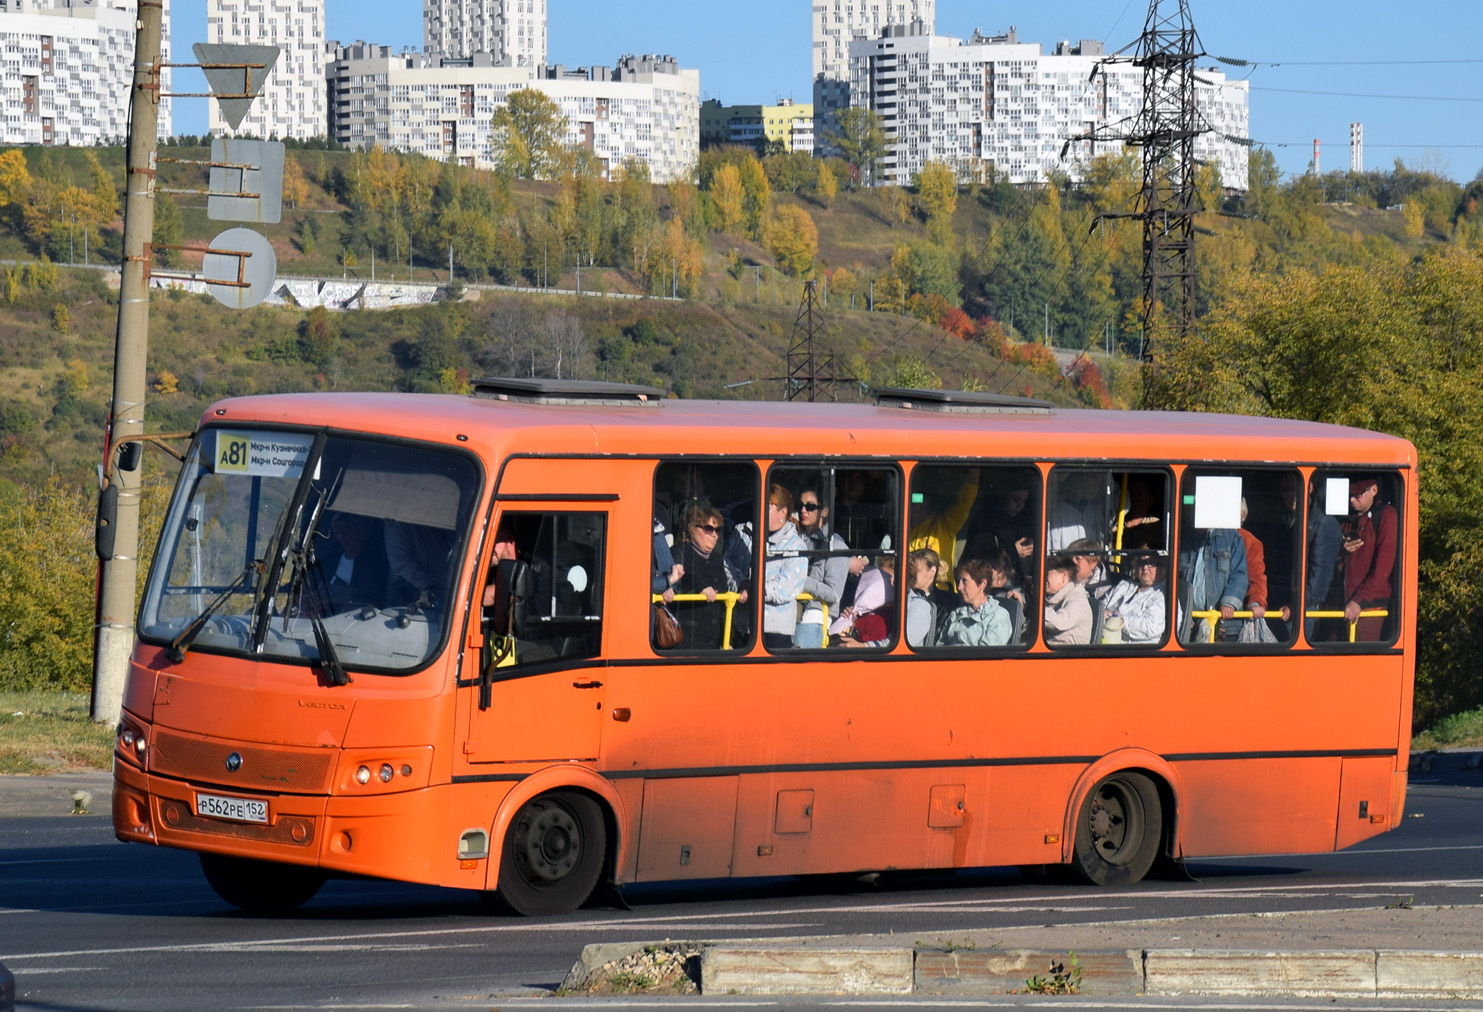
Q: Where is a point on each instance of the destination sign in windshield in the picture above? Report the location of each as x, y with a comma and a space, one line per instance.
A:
267, 454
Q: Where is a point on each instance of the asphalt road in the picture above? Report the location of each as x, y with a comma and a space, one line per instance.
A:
87, 923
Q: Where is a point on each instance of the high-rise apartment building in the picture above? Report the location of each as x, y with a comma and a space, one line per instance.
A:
837, 23
996, 105
67, 71
645, 108
293, 101
511, 32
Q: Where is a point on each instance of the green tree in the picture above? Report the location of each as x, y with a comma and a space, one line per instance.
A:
529, 135
861, 141
169, 229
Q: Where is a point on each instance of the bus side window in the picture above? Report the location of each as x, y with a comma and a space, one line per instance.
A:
1354, 520
980, 524
1238, 550
544, 597
703, 546
835, 552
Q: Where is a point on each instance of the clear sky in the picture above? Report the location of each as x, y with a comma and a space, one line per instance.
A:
1412, 75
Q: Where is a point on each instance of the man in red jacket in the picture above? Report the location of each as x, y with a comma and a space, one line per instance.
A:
1369, 547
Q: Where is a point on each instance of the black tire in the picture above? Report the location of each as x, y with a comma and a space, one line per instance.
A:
261, 887
1118, 831
552, 855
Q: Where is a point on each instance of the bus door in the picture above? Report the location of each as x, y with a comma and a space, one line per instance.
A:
539, 688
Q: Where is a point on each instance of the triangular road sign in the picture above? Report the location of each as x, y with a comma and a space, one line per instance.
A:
236, 75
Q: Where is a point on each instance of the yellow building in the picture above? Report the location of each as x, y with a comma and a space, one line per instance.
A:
788, 124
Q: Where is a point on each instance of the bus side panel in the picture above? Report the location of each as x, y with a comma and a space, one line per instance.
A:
825, 822
688, 827
1258, 806
1364, 799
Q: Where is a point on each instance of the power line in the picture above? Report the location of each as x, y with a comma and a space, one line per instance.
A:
1233, 61
1363, 94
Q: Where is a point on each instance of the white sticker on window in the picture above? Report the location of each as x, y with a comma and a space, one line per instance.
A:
1217, 502
1336, 497
269, 454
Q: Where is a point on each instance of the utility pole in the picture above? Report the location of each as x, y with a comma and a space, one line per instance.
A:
114, 640
1165, 128
807, 371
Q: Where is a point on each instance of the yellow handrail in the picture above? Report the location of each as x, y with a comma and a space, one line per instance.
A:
1214, 616
729, 598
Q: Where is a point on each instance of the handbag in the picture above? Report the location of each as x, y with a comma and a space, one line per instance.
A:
1256, 631
665, 628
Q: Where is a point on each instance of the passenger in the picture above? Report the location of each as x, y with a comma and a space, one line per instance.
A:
938, 525
1079, 510
1369, 559
1212, 570
1256, 580
826, 573
1086, 557
356, 563
666, 572
921, 610
1324, 537
1068, 613
1139, 601
865, 623
1005, 587
1011, 525
703, 571
783, 572
1279, 538
979, 621
1143, 526
418, 555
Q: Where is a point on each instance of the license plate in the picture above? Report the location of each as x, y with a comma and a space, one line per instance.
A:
214, 806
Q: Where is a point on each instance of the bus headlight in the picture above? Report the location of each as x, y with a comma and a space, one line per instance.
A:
387, 773
363, 775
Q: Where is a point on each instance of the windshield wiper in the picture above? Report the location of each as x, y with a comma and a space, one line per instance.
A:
180, 644
302, 559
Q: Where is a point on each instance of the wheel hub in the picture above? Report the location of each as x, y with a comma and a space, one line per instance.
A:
552, 844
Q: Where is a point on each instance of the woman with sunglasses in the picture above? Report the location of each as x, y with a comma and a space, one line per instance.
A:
699, 553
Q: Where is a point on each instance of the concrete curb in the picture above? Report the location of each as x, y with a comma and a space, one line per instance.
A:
803, 969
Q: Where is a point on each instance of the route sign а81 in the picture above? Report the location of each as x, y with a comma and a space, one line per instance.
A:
267, 454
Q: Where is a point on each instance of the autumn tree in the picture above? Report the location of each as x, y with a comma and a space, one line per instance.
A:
792, 239
826, 187
529, 134
937, 185
727, 199
755, 194
295, 183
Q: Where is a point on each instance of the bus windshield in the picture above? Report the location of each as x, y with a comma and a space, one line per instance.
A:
323, 548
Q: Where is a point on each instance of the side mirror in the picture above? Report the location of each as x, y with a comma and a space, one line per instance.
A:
106, 523
130, 455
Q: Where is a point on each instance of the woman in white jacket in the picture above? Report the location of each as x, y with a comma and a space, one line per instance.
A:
1140, 602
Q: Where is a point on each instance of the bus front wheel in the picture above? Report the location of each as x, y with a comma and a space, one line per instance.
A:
1118, 830
552, 855
260, 887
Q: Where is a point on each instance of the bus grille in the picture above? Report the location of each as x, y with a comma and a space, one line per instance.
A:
200, 760
292, 830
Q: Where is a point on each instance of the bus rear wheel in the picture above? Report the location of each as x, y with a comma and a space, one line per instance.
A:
260, 887
552, 855
1118, 831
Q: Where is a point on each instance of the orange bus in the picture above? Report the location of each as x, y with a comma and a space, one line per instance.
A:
557, 634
